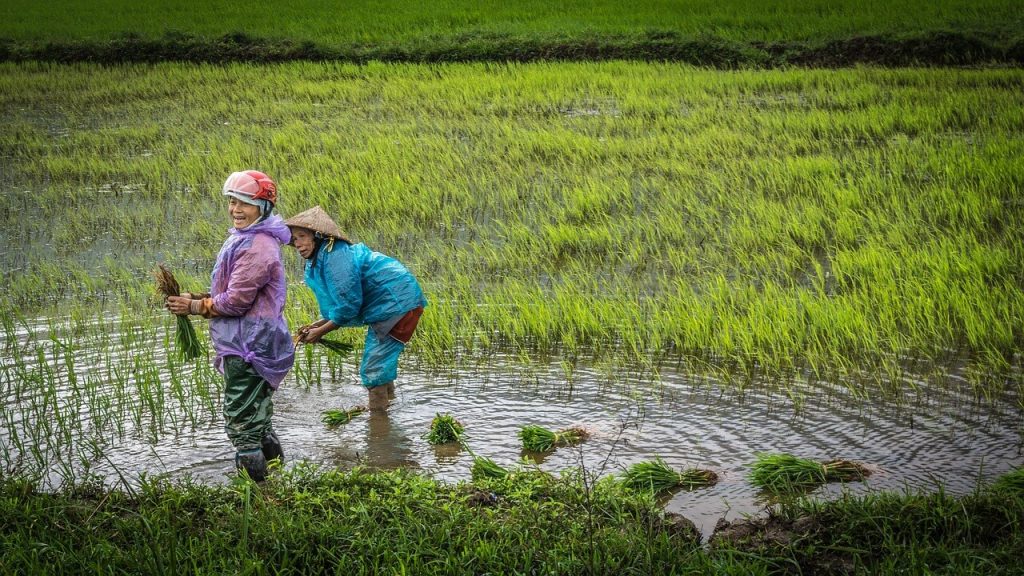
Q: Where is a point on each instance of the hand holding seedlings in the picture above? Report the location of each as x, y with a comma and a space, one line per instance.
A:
312, 333
178, 305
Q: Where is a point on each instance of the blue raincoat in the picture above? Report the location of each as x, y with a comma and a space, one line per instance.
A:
356, 286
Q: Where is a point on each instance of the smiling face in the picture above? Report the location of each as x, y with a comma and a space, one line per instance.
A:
304, 242
242, 214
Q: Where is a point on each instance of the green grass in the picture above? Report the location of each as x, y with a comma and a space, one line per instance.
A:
405, 22
305, 521
1011, 482
735, 33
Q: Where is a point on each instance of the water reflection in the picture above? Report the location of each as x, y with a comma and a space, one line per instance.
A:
447, 453
387, 445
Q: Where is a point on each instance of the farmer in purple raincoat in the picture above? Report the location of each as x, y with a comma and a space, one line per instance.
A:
245, 304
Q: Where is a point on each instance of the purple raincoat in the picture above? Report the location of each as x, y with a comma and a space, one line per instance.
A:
248, 289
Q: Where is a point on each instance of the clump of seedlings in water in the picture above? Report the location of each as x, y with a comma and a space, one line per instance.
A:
445, 429
658, 477
338, 417
540, 439
188, 342
1012, 482
786, 473
484, 467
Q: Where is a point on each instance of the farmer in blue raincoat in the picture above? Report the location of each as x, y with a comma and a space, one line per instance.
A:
355, 286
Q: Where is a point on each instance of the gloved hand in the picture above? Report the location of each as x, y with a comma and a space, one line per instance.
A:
179, 305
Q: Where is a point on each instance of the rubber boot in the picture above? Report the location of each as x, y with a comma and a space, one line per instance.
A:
391, 390
272, 447
253, 462
378, 398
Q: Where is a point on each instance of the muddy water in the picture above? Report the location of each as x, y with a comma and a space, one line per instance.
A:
941, 436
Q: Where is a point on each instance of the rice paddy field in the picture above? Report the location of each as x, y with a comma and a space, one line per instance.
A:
694, 265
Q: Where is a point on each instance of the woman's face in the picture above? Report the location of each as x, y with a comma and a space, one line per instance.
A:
304, 242
242, 214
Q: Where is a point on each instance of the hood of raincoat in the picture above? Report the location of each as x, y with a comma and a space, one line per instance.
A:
249, 289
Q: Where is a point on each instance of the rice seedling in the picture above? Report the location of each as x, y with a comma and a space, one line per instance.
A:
485, 468
445, 429
539, 439
658, 477
812, 270
854, 225
336, 417
189, 346
339, 348
786, 473
1011, 482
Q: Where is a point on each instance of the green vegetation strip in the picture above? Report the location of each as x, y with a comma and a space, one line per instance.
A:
708, 32
944, 48
306, 522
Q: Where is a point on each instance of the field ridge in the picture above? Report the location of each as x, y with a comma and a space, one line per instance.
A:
926, 48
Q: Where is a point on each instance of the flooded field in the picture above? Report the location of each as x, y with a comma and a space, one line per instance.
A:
145, 420
579, 231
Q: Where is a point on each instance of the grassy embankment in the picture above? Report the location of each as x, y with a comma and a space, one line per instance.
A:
720, 33
372, 523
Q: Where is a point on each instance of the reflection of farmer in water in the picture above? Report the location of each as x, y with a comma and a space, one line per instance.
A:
387, 445
356, 286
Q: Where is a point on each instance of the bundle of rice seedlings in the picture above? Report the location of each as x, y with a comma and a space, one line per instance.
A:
185, 336
540, 439
658, 477
1012, 482
571, 436
786, 473
444, 429
486, 468
338, 417
340, 348
537, 438
844, 471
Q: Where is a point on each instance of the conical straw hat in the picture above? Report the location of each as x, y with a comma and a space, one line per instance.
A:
317, 220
